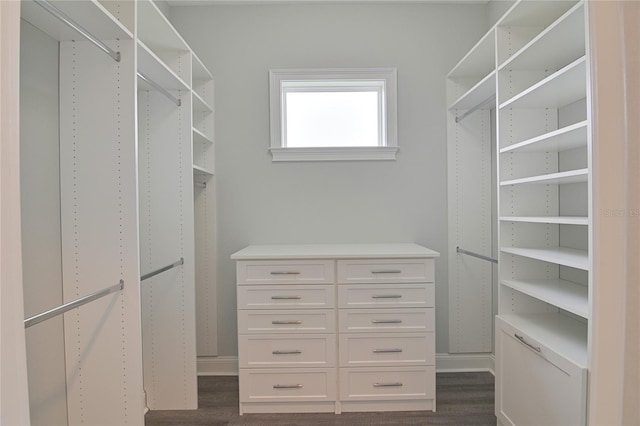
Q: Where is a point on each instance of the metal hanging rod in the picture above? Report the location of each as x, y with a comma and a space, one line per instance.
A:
71, 305
479, 256
161, 270
200, 184
71, 23
475, 108
160, 89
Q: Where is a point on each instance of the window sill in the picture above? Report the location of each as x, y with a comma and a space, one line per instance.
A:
378, 153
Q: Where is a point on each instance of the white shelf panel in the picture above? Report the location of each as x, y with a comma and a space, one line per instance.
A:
155, 30
527, 13
573, 258
570, 137
567, 295
559, 89
153, 67
201, 171
559, 220
561, 178
199, 71
560, 333
89, 14
553, 48
479, 93
199, 104
479, 61
198, 136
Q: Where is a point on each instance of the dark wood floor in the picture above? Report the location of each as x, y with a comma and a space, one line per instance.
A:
462, 399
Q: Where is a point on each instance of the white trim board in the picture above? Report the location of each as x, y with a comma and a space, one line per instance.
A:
445, 363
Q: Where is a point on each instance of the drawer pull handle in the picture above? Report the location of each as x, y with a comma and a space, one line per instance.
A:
387, 385
294, 352
285, 273
386, 296
387, 351
522, 339
387, 271
393, 321
286, 297
298, 386
286, 322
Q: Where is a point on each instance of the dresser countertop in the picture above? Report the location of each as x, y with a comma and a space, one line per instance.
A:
334, 251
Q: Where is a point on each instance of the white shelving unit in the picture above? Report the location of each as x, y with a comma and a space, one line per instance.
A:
205, 207
544, 228
471, 94
128, 208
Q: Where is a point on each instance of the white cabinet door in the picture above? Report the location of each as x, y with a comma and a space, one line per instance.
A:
536, 388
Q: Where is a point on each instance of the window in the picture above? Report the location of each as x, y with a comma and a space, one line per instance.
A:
324, 115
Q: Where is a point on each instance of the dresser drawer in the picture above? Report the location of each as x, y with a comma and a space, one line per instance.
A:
386, 383
386, 271
267, 351
387, 320
291, 384
369, 349
289, 321
386, 296
286, 297
285, 272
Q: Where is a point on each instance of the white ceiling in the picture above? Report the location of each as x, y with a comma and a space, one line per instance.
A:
238, 2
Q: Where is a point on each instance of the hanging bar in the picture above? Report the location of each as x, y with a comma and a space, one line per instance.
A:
479, 256
200, 184
475, 108
160, 89
71, 23
161, 270
71, 305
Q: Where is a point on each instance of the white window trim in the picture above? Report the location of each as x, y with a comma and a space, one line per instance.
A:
389, 129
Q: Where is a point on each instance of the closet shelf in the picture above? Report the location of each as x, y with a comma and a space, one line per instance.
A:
534, 13
201, 171
153, 67
479, 61
559, 89
565, 256
567, 295
570, 137
560, 220
199, 71
478, 94
560, 43
198, 136
156, 31
199, 104
90, 15
558, 332
561, 178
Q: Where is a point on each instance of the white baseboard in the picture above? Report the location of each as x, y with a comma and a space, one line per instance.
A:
218, 366
454, 363
445, 363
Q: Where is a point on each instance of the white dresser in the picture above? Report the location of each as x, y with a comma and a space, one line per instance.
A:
332, 328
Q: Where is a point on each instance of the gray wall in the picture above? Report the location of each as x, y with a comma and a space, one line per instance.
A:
261, 202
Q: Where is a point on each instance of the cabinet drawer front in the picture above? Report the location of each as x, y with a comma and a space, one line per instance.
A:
285, 272
387, 320
286, 297
386, 271
384, 349
386, 296
289, 321
292, 384
385, 383
555, 388
266, 351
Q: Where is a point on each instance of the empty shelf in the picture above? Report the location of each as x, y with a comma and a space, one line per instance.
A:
560, 220
478, 94
197, 170
573, 258
479, 61
561, 178
153, 67
570, 137
567, 295
198, 136
199, 104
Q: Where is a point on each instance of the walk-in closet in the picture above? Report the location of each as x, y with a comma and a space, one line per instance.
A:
319, 212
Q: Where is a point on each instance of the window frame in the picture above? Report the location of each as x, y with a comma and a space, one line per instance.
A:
282, 81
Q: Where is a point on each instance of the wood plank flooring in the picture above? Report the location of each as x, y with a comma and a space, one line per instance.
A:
461, 399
